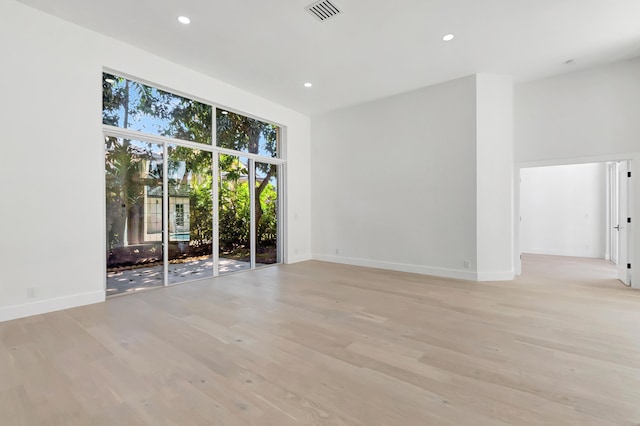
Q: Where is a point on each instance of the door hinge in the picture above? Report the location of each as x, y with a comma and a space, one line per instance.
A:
628, 174
628, 220
628, 266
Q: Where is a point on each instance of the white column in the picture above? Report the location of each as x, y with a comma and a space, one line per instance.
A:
494, 182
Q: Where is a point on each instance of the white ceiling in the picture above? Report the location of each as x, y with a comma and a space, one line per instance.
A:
372, 49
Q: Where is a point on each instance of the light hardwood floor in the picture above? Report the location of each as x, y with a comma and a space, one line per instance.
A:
319, 343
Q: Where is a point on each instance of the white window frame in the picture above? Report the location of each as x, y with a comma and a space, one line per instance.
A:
164, 141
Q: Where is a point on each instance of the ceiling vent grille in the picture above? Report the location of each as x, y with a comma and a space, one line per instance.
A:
323, 10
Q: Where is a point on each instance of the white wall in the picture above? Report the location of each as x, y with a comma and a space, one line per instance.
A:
52, 173
581, 117
563, 210
394, 182
581, 114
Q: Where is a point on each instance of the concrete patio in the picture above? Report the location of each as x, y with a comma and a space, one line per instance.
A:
142, 278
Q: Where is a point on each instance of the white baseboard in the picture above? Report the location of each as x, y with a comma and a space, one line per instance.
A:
496, 276
402, 267
50, 305
555, 252
296, 259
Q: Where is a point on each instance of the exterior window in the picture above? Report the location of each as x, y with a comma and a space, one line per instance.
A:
179, 214
136, 106
246, 134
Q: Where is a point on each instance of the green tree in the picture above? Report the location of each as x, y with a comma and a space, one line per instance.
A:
233, 206
268, 225
242, 133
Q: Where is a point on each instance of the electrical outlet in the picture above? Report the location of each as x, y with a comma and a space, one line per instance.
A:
31, 293
337, 251
466, 264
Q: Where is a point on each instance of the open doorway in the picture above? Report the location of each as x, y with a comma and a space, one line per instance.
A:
576, 211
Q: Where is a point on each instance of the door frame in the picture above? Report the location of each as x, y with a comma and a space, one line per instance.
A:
612, 212
634, 201
624, 228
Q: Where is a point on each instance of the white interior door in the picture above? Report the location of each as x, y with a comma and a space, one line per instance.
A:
612, 214
623, 227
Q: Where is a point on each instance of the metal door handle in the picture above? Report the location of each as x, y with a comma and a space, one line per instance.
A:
617, 227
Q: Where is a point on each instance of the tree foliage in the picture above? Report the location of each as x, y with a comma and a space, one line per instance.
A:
245, 134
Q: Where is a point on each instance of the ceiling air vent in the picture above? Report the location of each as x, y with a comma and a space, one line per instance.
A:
323, 10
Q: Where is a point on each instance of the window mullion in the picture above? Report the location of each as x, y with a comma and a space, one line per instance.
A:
165, 214
280, 213
215, 202
145, 137
252, 204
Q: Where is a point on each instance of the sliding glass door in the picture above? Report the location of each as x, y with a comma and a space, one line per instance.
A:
134, 188
189, 214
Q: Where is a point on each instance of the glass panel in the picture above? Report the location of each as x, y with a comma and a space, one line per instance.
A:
134, 215
190, 214
234, 214
136, 106
266, 214
240, 133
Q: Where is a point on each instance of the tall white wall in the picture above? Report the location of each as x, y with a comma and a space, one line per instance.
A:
581, 114
586, 116
563, 210
52, 174
394, 182
494, 180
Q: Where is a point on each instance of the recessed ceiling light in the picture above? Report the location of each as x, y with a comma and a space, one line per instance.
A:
308, 85
184, 20
225, 112
447, 37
